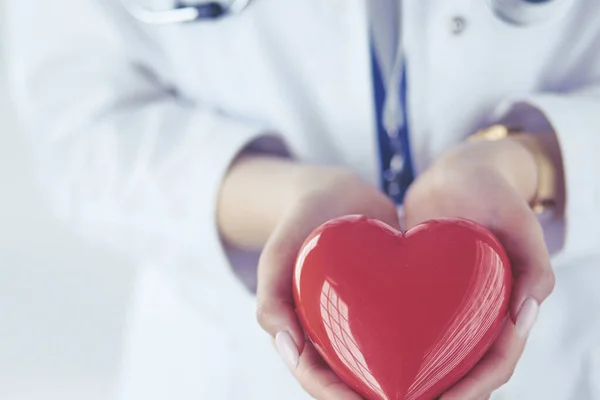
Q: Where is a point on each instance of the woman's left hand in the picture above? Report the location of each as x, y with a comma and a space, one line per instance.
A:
492, 183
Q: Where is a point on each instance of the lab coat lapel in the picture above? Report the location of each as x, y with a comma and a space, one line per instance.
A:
341, 86
385, 31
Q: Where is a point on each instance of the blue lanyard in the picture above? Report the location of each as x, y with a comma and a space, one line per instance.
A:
396, 164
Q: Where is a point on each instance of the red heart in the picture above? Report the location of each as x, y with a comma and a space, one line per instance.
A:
402, 316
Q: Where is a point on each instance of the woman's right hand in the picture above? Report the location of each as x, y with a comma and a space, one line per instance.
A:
274, 204
321, 194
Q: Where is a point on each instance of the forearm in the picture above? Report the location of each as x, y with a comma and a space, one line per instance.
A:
253, 197
259, 189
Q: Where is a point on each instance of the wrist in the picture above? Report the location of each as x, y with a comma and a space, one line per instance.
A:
544, 151
309, 179
260, 190
253, 197
509, 159
519, 166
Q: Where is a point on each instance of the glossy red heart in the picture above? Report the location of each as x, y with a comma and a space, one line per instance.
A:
402, 316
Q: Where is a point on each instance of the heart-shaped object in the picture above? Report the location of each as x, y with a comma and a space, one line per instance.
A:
402, 315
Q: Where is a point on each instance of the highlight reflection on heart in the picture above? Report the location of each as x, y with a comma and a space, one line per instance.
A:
402, 315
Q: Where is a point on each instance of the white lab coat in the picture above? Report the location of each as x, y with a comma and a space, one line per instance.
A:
134, 127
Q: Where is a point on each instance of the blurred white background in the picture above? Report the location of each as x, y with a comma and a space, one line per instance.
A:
62, 302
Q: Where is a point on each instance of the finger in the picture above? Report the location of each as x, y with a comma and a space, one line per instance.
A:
523, 238
494, 370
319, 380
275, 303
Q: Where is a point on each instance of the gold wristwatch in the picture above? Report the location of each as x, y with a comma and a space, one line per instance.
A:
545, 196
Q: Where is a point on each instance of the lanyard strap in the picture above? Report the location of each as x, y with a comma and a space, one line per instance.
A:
396, 164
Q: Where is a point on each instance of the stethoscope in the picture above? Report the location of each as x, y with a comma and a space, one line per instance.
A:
182, 13
516, 12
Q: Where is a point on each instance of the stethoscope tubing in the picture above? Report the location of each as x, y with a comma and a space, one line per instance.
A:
515, 12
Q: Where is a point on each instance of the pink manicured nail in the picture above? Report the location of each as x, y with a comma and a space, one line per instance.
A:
287, 349
526, 317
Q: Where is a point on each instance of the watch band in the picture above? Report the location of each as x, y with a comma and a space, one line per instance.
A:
545, 195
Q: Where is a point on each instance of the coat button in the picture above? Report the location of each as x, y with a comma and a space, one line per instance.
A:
397, 163
458, 25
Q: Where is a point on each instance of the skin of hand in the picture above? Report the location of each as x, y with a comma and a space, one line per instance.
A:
492, 183
275, 204
292, 200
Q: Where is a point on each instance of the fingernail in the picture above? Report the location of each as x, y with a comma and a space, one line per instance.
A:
526, 317
287, 349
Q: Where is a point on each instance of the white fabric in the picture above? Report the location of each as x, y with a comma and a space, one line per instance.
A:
134, 127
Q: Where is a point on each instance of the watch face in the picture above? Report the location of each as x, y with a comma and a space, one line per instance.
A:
494, 132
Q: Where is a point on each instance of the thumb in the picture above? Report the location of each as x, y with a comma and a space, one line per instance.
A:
275, 301
532, 286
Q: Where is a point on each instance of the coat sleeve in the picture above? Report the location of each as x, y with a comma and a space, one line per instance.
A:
567, 104
122, 156
575, 119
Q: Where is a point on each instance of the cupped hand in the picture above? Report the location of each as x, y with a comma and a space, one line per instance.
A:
491, 183
322, 194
